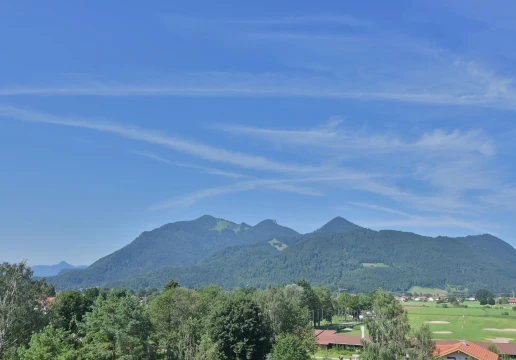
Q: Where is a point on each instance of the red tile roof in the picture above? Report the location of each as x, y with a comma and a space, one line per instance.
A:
468, 348
503, 348
325, 337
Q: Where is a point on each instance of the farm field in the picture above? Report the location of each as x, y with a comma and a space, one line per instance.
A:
474, 323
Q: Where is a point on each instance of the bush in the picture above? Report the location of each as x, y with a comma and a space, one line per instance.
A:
444, 305
505, 313
514, 308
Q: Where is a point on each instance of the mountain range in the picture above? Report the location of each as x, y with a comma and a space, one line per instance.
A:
339, 255
51, 270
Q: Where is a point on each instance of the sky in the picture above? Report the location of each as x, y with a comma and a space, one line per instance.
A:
119, 117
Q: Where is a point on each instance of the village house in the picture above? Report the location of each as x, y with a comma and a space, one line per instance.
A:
447, 349
464, 350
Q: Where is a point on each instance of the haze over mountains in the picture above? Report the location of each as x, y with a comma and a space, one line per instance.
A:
339, 254
51, 270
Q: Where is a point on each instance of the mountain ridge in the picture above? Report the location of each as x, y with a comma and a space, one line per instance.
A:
231, 254
179, 243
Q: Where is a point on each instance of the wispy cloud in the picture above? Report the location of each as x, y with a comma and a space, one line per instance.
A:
411, 220
193, 148
190, 166
334, 136
192, 198
377, 207
496, 93
181, 21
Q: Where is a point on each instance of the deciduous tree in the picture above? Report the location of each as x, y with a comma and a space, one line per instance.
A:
22, 306
239, 330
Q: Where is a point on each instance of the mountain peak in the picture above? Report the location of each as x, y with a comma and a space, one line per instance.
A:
336, 226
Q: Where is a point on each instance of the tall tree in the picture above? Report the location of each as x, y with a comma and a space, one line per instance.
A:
117, 327
282, 310
388, 329
176, 320
325, 311
68, 309
483, 296
22, 306
239, 330
309, 300
422, 347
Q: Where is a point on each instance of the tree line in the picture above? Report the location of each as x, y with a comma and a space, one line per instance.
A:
275, 323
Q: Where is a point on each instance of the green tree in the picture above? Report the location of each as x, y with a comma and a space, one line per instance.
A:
175, 318
90, 295
117, 327
325, 303
289, 347
422, 344
483, 295
49, 344
282, 310
309, 300
388, 329
68, 309
239, 330
22, 306
172, 284
491, 300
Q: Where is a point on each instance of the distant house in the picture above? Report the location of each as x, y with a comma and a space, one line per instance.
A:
433, 298
420, 298
512, 300
464, 350
471, 298
402, 298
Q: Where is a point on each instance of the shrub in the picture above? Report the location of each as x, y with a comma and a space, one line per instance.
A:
514, 308
505, 313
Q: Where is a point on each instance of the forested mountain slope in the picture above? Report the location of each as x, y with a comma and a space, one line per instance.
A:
177, 244
359, 260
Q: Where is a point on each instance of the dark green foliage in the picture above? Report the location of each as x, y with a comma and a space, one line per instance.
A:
172, 284
337, 226
335, 260
177, 244
484, 296
68, 309
117, 326
239, 330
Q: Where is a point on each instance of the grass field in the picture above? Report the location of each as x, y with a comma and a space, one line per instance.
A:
424, 290
454, 323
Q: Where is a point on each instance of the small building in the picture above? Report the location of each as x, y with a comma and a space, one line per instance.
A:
464, 350
512, 300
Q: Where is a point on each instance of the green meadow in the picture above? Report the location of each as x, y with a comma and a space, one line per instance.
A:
458, 323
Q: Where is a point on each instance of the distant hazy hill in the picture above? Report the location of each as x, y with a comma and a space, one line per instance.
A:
354, 258
177, 244
51, 270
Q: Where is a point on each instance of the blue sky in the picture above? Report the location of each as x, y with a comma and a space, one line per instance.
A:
116, 119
